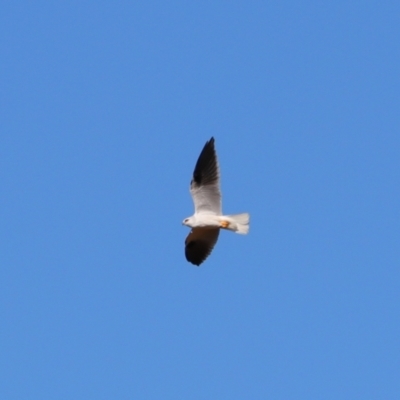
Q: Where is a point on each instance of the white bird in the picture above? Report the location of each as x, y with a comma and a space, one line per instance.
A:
208, 219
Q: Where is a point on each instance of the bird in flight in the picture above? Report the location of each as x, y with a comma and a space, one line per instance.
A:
208, 219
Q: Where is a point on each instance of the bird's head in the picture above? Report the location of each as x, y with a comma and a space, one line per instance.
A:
188, 221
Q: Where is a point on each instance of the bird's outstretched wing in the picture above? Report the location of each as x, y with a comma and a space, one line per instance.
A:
205, 186
199, 244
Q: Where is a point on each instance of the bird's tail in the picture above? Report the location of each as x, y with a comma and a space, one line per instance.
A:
239, 223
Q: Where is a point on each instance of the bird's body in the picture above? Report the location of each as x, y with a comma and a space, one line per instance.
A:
229, 222
208, 219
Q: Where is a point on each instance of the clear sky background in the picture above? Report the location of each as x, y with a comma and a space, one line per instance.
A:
104, 109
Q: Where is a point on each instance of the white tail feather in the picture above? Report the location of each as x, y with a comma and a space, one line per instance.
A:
239, 223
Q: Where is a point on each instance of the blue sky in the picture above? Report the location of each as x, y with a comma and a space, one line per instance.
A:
105, 107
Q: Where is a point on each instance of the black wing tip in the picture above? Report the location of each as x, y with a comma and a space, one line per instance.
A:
209, 144
195, 259
196, 262
197, 247
206, 168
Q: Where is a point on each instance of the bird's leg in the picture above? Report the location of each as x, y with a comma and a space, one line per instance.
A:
224, 224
